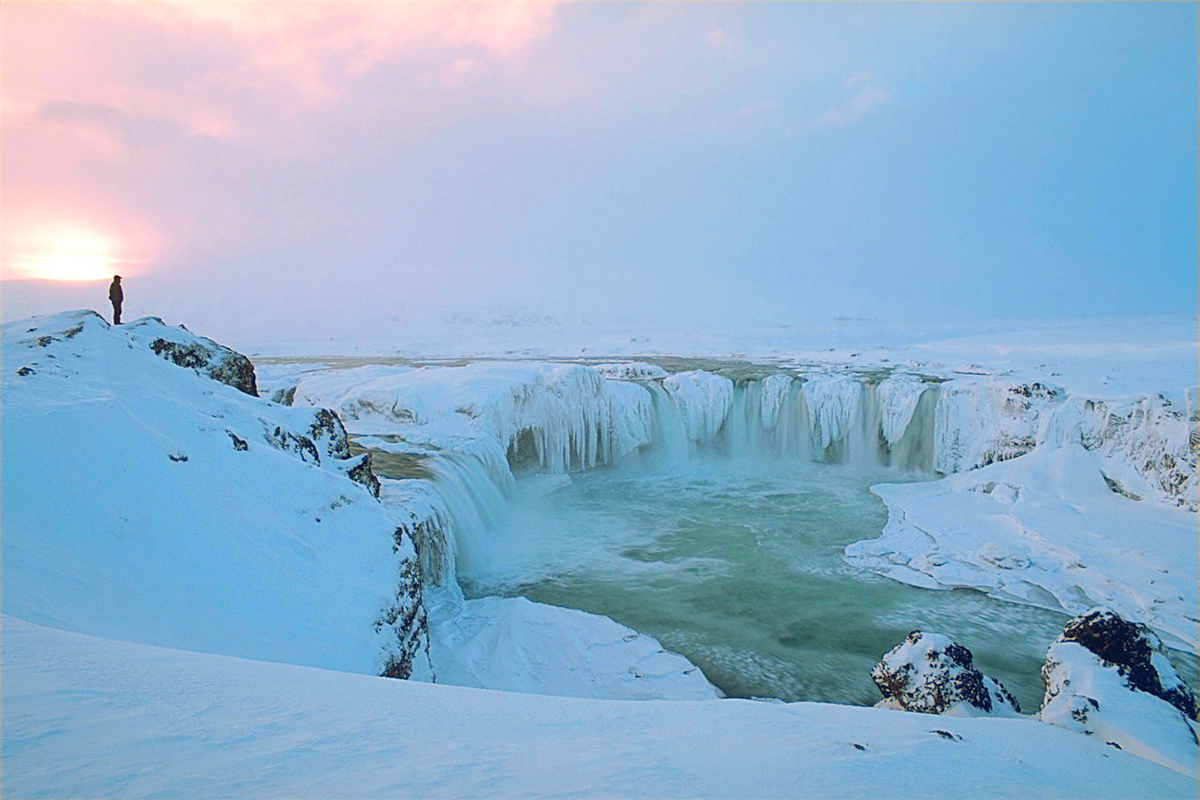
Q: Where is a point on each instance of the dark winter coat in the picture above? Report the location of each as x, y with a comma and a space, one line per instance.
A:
114, 292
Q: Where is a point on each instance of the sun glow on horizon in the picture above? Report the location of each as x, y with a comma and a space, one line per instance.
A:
68, 255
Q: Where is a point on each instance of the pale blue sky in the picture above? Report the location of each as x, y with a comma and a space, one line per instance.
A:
763, 162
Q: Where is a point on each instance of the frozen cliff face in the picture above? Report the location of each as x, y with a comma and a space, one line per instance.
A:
703, 400
932, 674
899, 395
239, 517
1110, 678
833, 402
774, 390
977, 424
554, 416
1149, 446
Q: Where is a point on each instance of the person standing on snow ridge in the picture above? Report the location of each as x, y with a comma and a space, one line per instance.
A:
116, 296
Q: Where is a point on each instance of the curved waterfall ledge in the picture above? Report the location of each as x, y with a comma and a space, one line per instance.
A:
1029, 464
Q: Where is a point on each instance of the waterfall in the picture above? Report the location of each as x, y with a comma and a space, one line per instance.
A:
475, 425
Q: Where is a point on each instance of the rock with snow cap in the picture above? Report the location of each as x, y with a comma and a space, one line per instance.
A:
1111, 678
932, 674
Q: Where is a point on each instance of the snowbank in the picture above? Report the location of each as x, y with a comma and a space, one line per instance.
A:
520, 646
87, 717
1043, 529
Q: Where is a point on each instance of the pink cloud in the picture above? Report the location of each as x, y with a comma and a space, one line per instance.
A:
201, 64
104, 97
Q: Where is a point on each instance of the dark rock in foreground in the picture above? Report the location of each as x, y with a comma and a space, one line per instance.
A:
1136, 652
1111, 678
932, 674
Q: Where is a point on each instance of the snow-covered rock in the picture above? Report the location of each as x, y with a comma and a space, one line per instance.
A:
1111, 679
631, 371
181, 347
156, 504
932, 674
1136, 652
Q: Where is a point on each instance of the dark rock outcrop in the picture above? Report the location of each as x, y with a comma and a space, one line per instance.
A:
1135, 651
285, 397
406, 617
282, 439
361, 473
327, 430
1111, 678
930, 673
217, 361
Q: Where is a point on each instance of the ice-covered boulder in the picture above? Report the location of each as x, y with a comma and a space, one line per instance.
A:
1111, 678
1136, 652
932, 674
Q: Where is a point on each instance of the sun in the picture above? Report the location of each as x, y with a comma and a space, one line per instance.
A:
71, 254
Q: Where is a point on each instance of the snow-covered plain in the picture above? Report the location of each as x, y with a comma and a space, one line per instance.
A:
131, 512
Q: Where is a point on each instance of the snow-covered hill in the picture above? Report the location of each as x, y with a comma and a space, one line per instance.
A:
153, 502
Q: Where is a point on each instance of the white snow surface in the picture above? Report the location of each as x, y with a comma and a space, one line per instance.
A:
1046, 530
1085, 695
517, 645
89, 717
130, 513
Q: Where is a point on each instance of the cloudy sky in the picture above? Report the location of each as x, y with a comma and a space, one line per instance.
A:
758, 162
